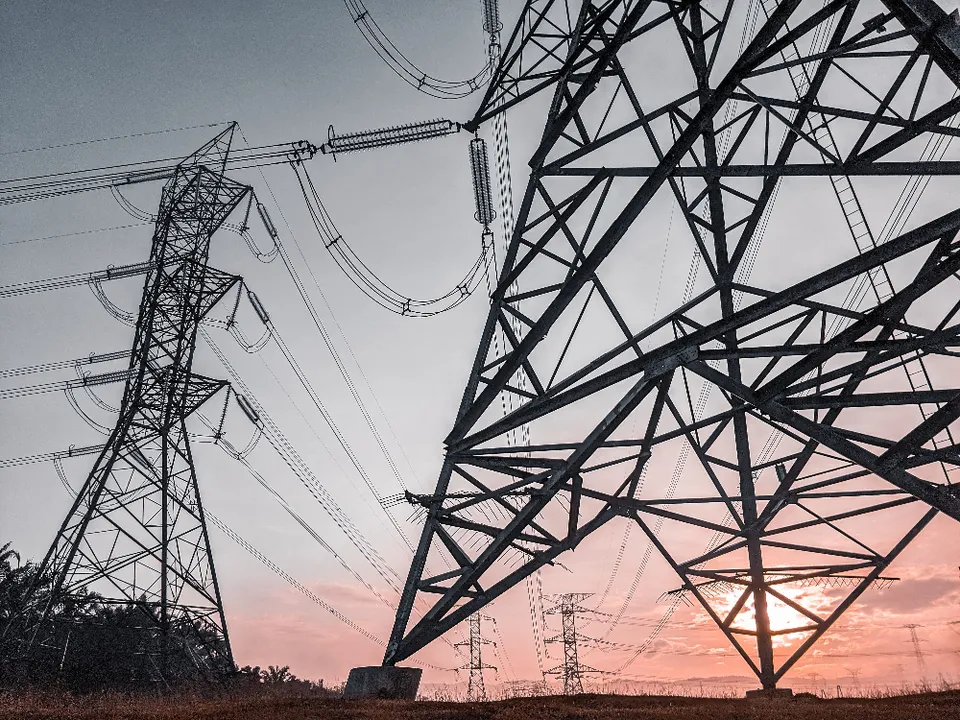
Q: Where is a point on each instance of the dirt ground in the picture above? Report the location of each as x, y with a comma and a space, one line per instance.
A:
941, 706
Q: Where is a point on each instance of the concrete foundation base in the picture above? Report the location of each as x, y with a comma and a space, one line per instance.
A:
770, 694
385, 683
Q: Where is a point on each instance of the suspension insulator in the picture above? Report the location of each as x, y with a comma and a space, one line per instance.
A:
138, 455
480, 168
491, 16
248, 410
149, 176
267, 222
258, 307
369, 139
115, 273
105, 378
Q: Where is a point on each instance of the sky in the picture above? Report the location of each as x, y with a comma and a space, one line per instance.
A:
89, 71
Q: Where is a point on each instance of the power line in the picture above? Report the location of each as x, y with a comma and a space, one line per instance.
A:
367, 281
64, 281
75, 234
303, 472
65, 364
112, 138
404, 68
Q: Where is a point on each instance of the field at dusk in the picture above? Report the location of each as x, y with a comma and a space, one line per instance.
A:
944, 706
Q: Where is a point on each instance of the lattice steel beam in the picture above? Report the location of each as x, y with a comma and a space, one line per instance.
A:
853, 393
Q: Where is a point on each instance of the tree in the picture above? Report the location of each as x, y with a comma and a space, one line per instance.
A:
86, 644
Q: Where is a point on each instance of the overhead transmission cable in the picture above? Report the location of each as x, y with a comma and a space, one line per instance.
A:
75, 234
405, 68
61, 385
72, 451
293, 582
113, 138
65, 364
49, 185
239, 457
364, 496
338, 361
64, 281
218, 438
315, 316
341, 366
318, 322
258, 416
367, 281
318, 403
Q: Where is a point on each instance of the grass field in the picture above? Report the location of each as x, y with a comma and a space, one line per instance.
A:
941, 706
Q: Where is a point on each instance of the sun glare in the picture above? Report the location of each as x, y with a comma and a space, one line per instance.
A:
782, 616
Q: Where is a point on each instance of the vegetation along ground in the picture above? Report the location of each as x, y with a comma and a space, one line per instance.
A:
27, 706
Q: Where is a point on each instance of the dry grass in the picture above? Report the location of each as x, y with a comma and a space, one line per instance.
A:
942, 706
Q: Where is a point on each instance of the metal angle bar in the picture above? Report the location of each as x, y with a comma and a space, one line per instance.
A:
619, 227
937, 497
681, 573
442, 612
853, 267
850, 168
809, 402
855, 594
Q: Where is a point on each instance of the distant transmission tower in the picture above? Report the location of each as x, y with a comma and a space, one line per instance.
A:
567, 606
136, 533
917, 650
476, 691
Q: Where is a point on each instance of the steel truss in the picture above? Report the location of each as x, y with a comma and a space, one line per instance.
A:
476, 692
816, 369
567, 606
136, 533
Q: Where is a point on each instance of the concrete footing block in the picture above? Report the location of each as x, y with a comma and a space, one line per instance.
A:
770, 694
383, 682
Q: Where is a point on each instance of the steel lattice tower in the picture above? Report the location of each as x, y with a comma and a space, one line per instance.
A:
136, 533
567, 606
476, 692
840, 365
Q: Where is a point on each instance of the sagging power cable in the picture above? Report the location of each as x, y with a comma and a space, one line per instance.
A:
367, 281
72, 451
405, 68
42, 388
49, 185
328, 342
293, 582
308, 303
318, 323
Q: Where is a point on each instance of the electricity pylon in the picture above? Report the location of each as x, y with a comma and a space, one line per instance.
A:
136, 533
755, 121
476, 692
567, 606
917, 649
